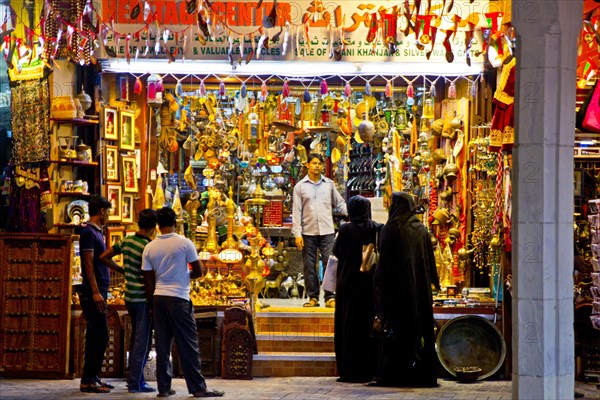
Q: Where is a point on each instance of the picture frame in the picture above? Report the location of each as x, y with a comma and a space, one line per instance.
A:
114, 194
127, 209
126, 126
111, 163
130, 174
110, 127
115, 234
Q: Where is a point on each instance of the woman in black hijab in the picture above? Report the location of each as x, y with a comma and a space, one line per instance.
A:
403, 280
355, 350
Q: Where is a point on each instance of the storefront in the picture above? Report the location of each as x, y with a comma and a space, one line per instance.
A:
212, 111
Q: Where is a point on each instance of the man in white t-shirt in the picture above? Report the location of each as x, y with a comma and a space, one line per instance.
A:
167, 277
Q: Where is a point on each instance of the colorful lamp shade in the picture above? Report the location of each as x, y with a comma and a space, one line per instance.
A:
154, 90
230, 256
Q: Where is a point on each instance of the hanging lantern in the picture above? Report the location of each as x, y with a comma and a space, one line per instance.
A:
243, 90
153, 94
263, 91
202, 89
410, 93
222, 89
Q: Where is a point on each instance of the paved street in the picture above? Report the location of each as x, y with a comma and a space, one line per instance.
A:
297, 388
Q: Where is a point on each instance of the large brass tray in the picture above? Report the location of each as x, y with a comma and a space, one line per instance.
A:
470, 341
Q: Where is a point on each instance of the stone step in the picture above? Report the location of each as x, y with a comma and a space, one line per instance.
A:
282, 364
288, 342
294, 323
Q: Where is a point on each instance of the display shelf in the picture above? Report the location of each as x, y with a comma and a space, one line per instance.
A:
73, 194
75, 121
75, 163
68, 226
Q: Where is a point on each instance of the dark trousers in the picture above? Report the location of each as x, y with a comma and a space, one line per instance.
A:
324, 244
141, 339
174, 319
96, 338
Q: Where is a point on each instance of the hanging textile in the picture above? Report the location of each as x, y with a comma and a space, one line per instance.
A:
29, 198
30, 112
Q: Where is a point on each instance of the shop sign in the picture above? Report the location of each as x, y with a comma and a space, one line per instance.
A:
314, 31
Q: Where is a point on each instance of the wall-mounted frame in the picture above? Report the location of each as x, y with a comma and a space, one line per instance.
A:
578, 178
110, 126
111, 163
115, 234
127, 209
130, 177
126, 124
114, 194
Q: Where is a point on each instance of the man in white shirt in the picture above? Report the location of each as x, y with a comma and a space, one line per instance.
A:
167, 277
315, 199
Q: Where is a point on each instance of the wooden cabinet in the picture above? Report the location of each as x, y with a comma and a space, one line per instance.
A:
35, 305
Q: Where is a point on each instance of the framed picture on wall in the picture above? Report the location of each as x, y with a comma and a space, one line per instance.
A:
114, 194
126, 124
127, 209
111, 163
130, 178
110, 126
114, 235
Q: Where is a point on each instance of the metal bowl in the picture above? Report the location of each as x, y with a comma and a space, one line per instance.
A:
470, 341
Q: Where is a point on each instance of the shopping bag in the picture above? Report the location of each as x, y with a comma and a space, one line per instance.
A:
370, 256
591, 120
330, 277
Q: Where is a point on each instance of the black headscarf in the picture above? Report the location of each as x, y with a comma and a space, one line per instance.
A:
359, 211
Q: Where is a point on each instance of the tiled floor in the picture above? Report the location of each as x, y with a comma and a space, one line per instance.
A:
298, 388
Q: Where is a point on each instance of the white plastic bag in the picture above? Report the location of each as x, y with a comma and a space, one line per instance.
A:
330, 277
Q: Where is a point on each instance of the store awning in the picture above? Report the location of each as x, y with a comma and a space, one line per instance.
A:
289, 69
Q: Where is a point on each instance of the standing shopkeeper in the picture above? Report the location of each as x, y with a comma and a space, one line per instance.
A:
315, 200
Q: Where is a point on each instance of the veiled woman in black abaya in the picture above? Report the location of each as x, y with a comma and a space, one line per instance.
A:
403, 280
355, 350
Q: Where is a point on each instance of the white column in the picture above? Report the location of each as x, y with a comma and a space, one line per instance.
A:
543, 354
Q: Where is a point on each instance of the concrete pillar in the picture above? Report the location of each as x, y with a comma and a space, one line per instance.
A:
543, 354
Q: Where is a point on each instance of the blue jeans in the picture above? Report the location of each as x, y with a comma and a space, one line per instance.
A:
141, 339
324, 244
96, 337
174, 319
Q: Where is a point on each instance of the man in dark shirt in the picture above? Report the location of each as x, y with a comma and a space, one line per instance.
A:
92, 295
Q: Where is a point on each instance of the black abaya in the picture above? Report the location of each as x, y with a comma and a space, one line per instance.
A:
403, 280
355, 350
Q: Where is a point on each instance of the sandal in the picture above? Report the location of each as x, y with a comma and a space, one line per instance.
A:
93, 388
312, 303
330, 303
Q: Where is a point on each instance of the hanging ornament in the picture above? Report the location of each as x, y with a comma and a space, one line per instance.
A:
448, 46
159, 85
135, 12
286, 89
306, 96
324, 89
452, 91
286, 37
432, 90
202, 89
474, 89
372, 34
347, 90
243, 90
146, 10
137, 86
179, 89
191, 7
388, 90
410, 93
263, 91
469, 34
368, 90
222, 89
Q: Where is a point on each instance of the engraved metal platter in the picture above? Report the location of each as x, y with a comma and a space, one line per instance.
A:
470, 341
